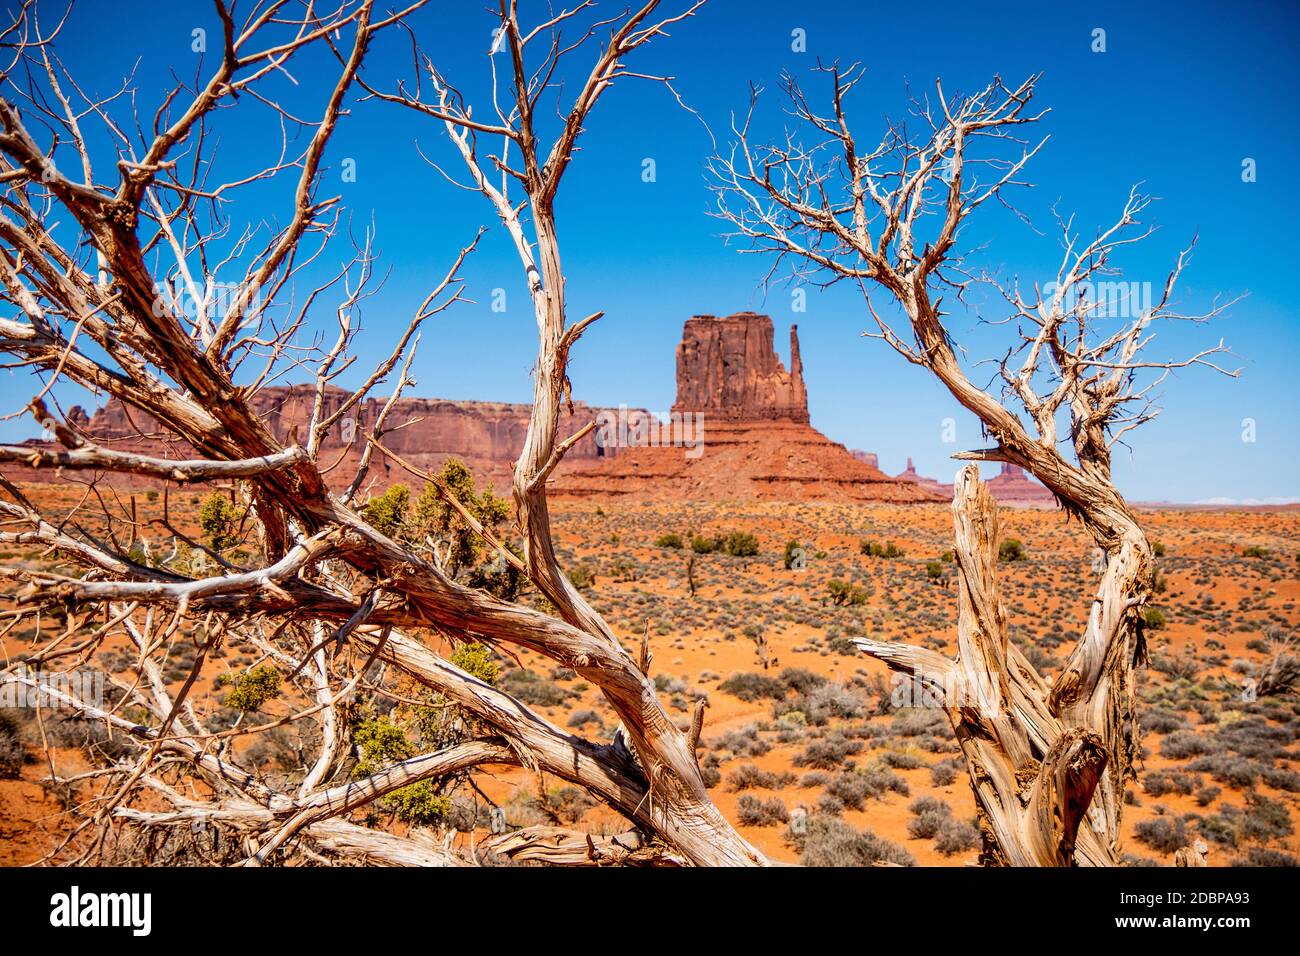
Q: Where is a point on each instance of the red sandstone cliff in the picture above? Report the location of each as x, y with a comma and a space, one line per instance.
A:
488, 436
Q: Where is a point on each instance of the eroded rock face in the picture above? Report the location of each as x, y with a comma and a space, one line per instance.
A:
488, 436
751, 418
728, 369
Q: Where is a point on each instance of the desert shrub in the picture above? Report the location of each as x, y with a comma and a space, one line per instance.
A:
799, 680
825, 703
874, 549
945, 772
1165, 834
219, 522
1254, 551
1234, 771
387, 512
744, 742
702, 545
754, 811
901, 761
12, 751
929, 815
751, 687
250, 691
793, 555
1163, 721
1160, 782
1280, 779
827, 841
828, 753
583, 576
1207, 795
477, 660
740, 544
1265, 819
748, 776
956, 836
1011, 549
882, 781
842, 592
581, 718
1262, 856
532, 688
669, 540
711, 776
1154, 618
1183, 744
420, 804
1256, 737
934, 570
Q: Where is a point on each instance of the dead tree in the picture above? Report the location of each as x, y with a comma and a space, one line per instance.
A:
85, 250
887, 218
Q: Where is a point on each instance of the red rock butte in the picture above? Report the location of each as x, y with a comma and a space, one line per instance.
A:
738, 430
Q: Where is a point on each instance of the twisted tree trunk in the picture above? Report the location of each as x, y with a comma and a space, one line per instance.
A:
1034, 770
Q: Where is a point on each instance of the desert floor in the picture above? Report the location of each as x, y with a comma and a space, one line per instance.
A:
797, 720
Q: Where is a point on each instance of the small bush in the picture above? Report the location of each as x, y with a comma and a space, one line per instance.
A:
1164, 834
827, 841
1011, 549
754, 811
1160, 782
751, 687
253, 689
1154, 618
957, 836
874, 549
827, 753
945, 773
476, 660
670, 540
740, 544
748, 776
583, 577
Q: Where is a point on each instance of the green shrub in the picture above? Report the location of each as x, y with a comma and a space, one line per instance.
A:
476, 659
583, 577
740, 544
252, 690
1254, 551
874, 550
420, 804
842, 592
794, 553
934, 570
702, 545
387, 513
1153, 617
219, 522
1011, 550
670, 540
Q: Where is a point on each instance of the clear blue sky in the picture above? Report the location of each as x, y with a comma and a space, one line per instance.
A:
1183, 93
